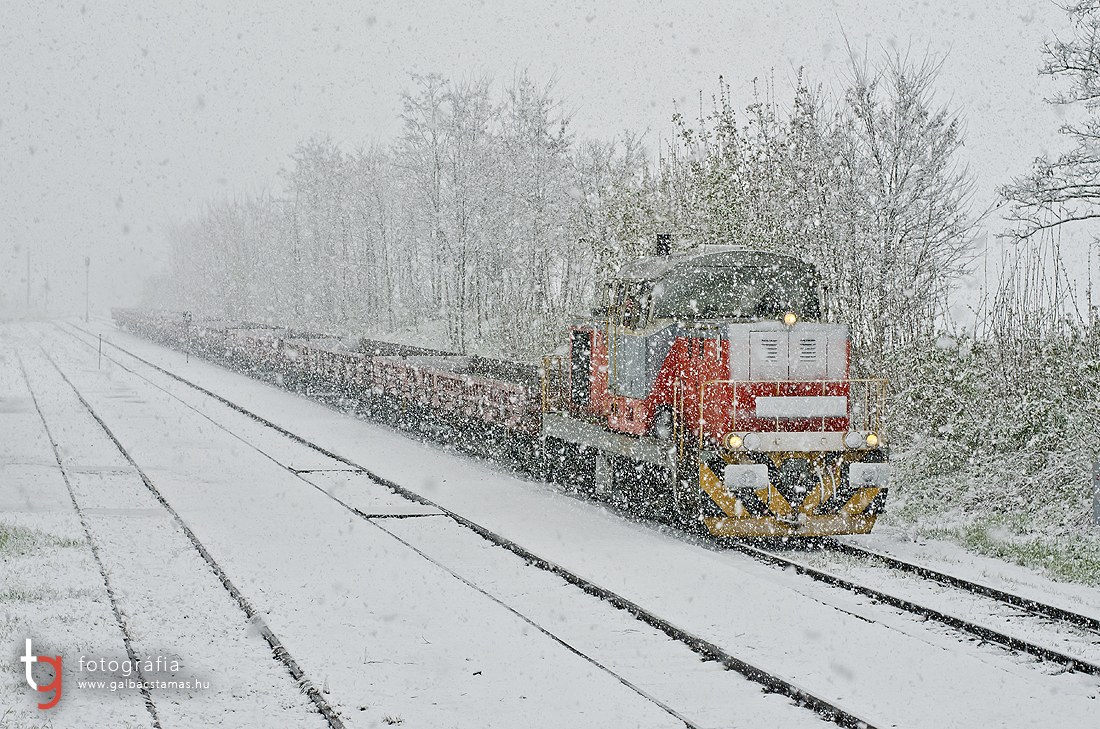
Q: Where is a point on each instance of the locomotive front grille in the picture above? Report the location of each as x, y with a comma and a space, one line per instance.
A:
769, 349
773, 351
807, 350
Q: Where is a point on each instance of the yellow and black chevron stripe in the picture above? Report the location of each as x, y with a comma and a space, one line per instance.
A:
824, 503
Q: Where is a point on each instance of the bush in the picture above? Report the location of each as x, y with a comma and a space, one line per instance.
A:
996, 457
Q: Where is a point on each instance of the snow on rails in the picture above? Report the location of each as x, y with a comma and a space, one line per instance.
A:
708, 390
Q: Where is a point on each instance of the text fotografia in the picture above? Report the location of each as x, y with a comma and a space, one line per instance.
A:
127, 667
104, 673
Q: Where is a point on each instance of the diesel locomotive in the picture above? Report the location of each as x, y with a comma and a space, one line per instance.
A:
711, 381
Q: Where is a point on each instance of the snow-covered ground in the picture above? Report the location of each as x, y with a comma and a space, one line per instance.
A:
409, 617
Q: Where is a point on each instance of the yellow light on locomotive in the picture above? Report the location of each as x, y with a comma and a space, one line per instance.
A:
733, 441
872, 440
790, 318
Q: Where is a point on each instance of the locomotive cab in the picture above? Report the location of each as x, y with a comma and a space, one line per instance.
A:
715, 375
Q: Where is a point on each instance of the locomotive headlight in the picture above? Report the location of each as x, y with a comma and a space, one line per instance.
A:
733, 441
790, 318
751, 441
872, 440
855, 440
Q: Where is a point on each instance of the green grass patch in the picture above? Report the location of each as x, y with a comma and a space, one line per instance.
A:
16, 540
1070, 559
16, 595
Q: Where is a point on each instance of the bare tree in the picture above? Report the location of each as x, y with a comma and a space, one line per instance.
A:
869, 189
1067, 189
1037, 302
536, 146
900, 220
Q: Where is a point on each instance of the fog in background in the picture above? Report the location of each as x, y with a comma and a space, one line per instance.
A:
117, 119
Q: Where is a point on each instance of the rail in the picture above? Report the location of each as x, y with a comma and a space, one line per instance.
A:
985, 633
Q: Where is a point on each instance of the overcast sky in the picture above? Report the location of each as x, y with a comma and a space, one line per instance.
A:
117, 118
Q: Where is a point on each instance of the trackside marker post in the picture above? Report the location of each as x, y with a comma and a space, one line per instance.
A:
87, 267
1096, 492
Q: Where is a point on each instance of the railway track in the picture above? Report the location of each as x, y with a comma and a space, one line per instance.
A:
1036, 609
707, 650
278, 650
127, 637
1088, 627
1027, 604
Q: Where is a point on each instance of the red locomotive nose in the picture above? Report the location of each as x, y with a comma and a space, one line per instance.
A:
719, 352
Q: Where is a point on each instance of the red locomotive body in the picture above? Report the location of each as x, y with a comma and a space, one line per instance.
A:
720, 367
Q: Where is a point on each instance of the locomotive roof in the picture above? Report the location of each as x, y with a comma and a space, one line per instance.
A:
654, 267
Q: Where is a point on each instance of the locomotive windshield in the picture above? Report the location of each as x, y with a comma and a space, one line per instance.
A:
737, 292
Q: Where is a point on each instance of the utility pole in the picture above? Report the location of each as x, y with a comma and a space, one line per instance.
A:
87, 265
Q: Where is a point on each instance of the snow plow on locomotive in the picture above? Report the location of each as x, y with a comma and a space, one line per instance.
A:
708, 390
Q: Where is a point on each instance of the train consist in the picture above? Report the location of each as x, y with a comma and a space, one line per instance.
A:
707, 390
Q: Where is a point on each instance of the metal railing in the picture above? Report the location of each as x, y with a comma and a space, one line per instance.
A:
555, 398
679, 418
